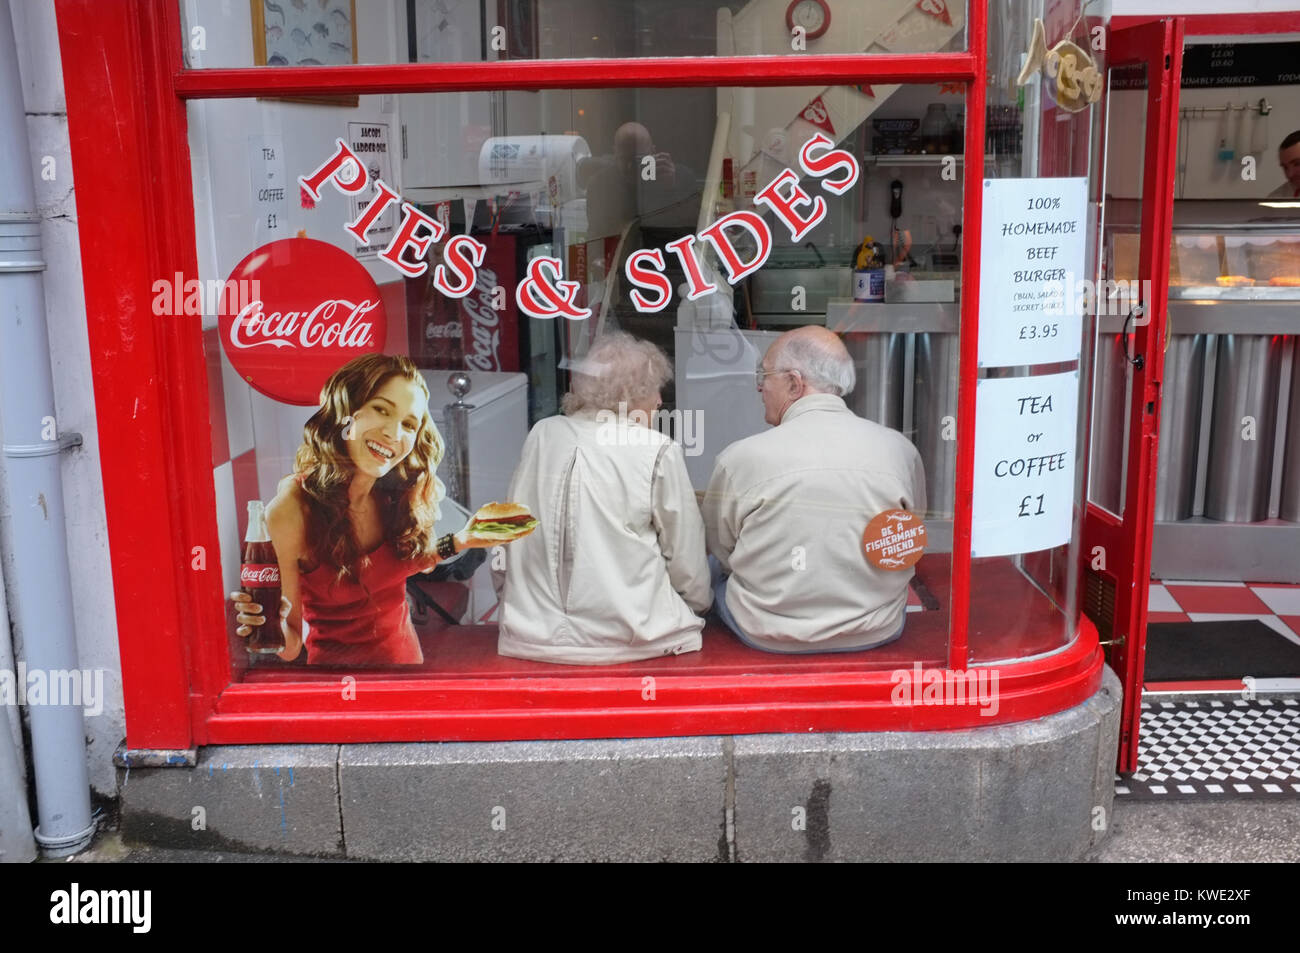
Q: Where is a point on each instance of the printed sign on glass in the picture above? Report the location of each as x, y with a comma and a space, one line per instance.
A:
1031, 269
1025, 430
316, 308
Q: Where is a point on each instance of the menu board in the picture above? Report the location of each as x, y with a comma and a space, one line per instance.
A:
1025, 441
270, 203
369, 140
1031, 271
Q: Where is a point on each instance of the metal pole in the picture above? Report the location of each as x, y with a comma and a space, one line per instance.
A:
33, 542
456, 418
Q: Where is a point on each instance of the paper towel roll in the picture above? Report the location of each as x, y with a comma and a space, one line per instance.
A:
544, 163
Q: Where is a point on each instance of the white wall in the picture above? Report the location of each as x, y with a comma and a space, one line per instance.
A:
1201, 173
94, 611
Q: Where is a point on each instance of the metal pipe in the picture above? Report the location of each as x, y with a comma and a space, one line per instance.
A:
1263, 107
33, 541
16, 843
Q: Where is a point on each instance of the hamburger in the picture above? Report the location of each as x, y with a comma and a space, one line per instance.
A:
501, 521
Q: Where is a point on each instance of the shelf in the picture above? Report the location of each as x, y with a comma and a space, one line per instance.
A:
923, 160
1216, 317
1207, 549
917, 317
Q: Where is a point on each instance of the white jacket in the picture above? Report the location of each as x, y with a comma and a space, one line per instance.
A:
617, 564
785, 513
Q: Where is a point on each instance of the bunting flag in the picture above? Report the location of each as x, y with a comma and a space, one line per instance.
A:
817, 114
937, 9
865, 89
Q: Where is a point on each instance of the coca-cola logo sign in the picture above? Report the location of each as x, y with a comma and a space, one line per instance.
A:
485, 333
319, 308
259, 577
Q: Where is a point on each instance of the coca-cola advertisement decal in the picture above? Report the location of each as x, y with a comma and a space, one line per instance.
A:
317, 308
490, 335
259, 576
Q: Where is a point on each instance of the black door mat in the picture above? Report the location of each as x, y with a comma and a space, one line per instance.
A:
1216, 749
1187, 651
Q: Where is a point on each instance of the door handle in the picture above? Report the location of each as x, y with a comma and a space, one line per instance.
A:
1137, 360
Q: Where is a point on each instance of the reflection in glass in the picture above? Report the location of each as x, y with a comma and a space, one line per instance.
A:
221, 33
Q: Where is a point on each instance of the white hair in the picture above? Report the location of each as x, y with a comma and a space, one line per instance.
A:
827, 368
617, 369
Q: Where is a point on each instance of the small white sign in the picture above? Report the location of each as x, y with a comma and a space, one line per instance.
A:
369, 140
270, 200
1025, 439
1034, 234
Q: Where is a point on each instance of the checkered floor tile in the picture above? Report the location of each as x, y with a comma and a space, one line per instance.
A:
1274, 604
1216, 748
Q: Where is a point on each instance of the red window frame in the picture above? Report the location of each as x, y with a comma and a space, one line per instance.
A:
126, 88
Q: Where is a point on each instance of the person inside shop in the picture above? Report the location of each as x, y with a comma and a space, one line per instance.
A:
1288, 157
786, 509
616, 571
638, 181
356, 518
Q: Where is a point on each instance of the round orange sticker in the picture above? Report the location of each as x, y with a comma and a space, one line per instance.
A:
894, 540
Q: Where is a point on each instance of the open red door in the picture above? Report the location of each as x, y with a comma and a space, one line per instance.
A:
1143, 76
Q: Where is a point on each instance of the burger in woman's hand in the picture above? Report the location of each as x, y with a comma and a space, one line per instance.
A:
497, 523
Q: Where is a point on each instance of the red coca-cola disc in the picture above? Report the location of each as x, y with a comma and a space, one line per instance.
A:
305, 308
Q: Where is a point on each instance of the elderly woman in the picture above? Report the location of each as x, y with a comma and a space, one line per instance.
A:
616, 571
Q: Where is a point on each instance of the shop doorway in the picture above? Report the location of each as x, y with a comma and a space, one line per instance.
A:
1222, 613
1128, 358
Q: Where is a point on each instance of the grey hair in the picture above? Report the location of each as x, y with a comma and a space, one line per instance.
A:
826, 368
618, 369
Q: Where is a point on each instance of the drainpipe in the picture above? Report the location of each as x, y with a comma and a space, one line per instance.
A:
33, 542
16, 844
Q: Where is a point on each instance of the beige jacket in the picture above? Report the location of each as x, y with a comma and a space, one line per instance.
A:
785, 512
617, 564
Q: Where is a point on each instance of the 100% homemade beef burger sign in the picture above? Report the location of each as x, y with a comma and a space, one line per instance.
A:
310, 309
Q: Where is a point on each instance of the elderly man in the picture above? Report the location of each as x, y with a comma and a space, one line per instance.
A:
786, 509
1288, 157
616, 570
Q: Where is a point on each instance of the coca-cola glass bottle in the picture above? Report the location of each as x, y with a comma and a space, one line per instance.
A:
259, 577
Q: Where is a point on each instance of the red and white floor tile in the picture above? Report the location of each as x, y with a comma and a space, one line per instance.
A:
1277, 605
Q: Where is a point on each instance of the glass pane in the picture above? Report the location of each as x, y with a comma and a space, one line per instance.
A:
592, 179
233, 33
1037, 248
1112, 373
1242, 267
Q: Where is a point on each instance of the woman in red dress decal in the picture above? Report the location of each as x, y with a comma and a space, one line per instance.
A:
356, 518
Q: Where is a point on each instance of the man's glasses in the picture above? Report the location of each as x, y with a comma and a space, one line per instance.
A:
760, 375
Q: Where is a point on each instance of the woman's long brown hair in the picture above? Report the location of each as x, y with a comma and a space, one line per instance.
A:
408, 493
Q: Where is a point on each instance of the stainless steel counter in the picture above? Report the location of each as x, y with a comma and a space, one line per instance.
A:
1228, 465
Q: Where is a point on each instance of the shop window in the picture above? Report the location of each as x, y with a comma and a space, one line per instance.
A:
225, 34
587, 178
1025, 595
